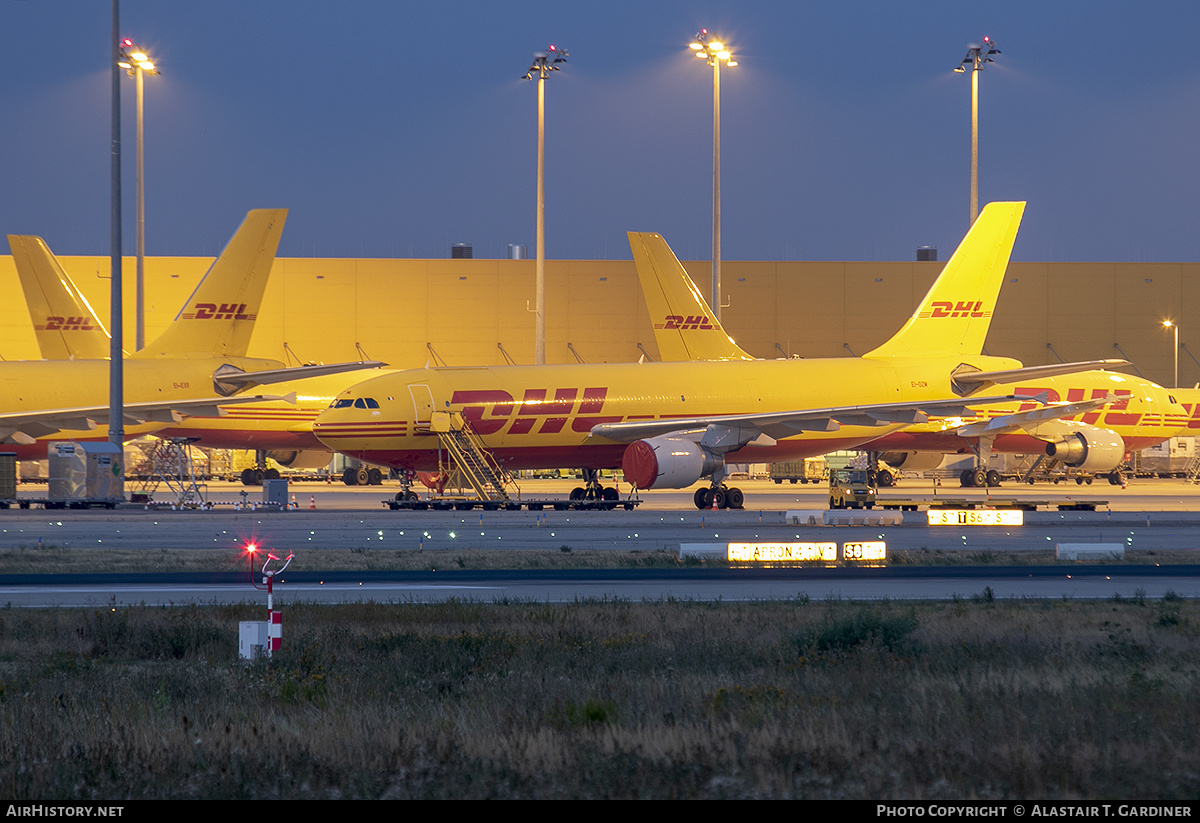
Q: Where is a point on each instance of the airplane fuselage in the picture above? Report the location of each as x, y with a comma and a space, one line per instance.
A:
542, 416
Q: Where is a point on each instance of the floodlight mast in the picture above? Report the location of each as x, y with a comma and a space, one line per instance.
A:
977, 55
544, 62
137, 63
712, 49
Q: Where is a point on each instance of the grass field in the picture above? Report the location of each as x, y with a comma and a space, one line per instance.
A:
967, 699
59, 560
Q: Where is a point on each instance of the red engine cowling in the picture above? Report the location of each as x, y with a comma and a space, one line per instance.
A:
1090, 448
667, 463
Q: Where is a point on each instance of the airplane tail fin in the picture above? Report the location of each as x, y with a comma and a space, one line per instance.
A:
64, 323
955, 315
684, 326
219, 316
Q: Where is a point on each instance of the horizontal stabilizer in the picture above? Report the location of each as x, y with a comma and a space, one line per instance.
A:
969, 380
229, 379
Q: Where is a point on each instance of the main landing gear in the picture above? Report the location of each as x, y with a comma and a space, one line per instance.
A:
259, 472
978, 478
593, 489
719, 497
362, 476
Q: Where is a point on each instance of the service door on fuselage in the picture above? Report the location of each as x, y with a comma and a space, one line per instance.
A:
422, 399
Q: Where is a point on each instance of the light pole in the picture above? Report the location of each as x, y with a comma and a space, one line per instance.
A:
116, 365
1175, 327
137, 63
544, 62
712, 49
977, 55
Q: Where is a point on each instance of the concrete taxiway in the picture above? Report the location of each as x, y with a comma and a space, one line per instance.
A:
1155, 515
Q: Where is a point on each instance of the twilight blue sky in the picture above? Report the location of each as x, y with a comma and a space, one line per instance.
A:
393, 129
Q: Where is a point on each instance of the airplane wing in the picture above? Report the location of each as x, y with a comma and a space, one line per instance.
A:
231, 379
25, 427
968, 380
729, 431
1024, 421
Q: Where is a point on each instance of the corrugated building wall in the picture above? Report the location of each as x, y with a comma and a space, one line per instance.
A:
395, 310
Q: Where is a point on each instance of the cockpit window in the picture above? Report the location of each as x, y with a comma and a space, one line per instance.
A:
366, 403
1174, 402
343, 403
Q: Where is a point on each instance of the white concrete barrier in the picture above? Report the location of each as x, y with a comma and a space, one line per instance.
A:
1089, 551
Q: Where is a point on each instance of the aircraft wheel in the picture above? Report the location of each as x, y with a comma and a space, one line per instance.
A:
410, 495
610, 493
993, 478
735, 498
349, 477
700, 498
578, 493
362, 476
979, 478
966, 479
374, 477
271, 474
719, 499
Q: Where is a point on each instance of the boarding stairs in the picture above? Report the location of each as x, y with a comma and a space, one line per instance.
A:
469, 455
170, 463
1192, 473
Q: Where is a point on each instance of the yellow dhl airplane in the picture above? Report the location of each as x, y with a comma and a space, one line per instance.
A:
1097, 440
670, 424
195, 366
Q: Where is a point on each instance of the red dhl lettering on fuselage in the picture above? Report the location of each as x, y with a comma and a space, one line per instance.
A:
490, 411
700, 322
949, 308
66, 324
1114, 414
223, 311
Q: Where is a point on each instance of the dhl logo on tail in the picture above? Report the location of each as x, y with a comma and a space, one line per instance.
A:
945, 308
700, 322
54, 323
225, 311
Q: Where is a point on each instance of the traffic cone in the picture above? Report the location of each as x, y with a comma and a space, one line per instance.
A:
312, 501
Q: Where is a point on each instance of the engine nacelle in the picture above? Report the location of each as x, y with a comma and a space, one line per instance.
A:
913, 461
667, 463
300, 459
1090, 448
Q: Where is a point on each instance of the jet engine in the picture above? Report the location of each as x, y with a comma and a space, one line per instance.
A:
300, 459
667, 462
913, 461
1090, 448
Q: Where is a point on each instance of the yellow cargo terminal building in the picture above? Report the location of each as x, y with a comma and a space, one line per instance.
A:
464, 312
